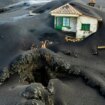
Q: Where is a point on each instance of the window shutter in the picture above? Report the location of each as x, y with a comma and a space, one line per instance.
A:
85, 27
59, 23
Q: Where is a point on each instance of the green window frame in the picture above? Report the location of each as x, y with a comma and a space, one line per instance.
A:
85, 27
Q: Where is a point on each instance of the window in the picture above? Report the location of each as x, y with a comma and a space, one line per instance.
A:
66, 22
85, 27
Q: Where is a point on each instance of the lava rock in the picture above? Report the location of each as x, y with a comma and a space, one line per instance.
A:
32, 102
34, 91
39, 92
4, 75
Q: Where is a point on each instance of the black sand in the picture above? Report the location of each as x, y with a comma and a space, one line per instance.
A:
18, 31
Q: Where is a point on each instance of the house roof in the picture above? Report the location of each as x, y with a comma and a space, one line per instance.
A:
75, 9
86, 10
66, 9
92, 1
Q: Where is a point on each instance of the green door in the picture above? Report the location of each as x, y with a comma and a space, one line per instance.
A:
59, 23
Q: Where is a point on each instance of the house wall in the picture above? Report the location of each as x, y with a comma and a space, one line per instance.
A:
86, 20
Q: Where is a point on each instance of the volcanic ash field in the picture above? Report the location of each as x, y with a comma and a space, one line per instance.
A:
63, 73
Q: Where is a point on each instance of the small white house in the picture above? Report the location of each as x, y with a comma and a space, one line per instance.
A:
70, 19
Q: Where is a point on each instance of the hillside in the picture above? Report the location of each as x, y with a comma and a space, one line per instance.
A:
73, 71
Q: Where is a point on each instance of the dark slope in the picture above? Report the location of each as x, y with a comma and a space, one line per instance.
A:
70, 90
24, 31
8, 2
17, 36
13, 39
74, 91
